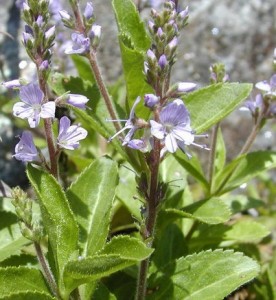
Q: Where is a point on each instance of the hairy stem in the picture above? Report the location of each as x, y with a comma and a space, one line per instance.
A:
49, 131
103, 90
148, 234
46, 270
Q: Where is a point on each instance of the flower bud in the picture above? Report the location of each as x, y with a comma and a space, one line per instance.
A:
184, 87
88, 12
12, 84
163, 62
39, 21
95, 35
77, 100
64, 15
50, 33
44, 65
150, 100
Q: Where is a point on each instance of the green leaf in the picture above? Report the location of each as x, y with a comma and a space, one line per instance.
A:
29, 295
243, 169
206, 275
220, 155
11, 239
126, 190
243, 231
134, 42
120, 253
129, 22
21, 280
58, 219
91, 198
102, 293
83, 67
209, 211
211, 104
193, 167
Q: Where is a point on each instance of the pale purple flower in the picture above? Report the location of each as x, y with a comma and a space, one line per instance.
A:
254, 106
26, 37
44, 65
50, 33
70, 135
151, 100
65, 15
131, 124
39, 21
81, 44
173, 44
268, 88
12, 84
19, 3
163, 62
77, 100
32, 107
88, 11
96, 31
25, 150
184, 87
174, 128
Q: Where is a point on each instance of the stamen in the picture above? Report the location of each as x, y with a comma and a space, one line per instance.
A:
202, 135
201, 146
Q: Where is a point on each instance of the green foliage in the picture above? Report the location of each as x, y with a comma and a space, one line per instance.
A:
91, 198
243, 169
209, 211
11, 240
134, 42
207, 275
58, 219
22, 281
120, 253
211, 104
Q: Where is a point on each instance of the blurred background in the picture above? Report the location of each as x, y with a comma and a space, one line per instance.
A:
241, 34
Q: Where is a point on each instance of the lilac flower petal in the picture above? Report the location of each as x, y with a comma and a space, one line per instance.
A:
136, 144
88, 11
69, 136
157, 129
171, 143
31, 94
22, 110
77, 100
48, 110
12, 84
263, 86
185, 87
25, 150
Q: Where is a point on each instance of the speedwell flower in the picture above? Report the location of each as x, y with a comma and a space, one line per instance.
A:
32, 107
70, 135
268, 88
25, 150
81, 44
174, 128
132, 123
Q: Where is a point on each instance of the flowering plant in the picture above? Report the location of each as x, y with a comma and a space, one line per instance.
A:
109, 218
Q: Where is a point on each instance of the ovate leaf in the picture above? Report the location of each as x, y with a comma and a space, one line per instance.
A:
22, 279
206, 275
120, 253
209, 211
211, 104
91, 197
57, 216
243, 169
134, 42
